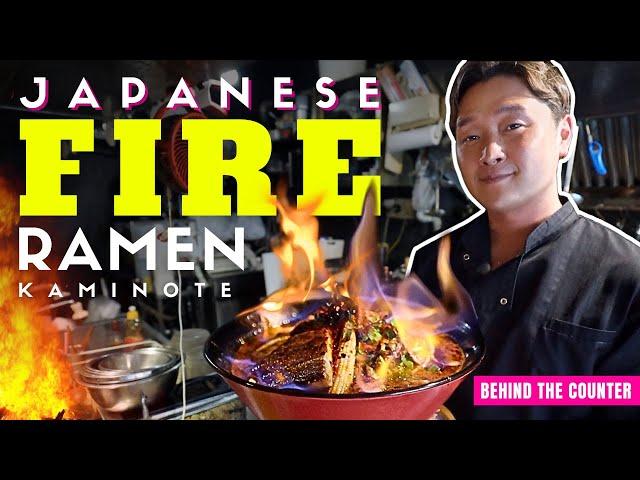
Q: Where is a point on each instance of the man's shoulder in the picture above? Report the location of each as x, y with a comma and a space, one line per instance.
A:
606, 235
609, 245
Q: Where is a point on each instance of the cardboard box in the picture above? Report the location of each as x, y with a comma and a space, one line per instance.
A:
414, 112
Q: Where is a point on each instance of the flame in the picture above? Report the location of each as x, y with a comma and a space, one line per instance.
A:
35, 380
301, 262
408, 307
8, 212
272, 306
383, 369
299, 251
363, 272
419, 316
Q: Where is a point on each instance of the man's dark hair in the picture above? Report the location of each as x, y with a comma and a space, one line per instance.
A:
543, 79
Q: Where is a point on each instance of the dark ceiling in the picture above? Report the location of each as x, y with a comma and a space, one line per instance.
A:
601, 87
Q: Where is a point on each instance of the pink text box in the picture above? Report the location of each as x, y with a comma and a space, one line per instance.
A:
556, 390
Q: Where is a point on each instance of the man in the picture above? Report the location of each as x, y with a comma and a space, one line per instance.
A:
556, 292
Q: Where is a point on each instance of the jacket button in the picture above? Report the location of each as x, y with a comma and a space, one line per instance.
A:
466, 257
503, 301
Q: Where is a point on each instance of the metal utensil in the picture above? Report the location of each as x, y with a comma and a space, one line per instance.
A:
136, 360
126, 396
122, 367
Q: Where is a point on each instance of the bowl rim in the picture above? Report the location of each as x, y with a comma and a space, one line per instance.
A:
478, 349
150, 375
95, 364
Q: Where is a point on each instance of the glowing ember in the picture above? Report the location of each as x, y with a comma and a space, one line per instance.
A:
35, 380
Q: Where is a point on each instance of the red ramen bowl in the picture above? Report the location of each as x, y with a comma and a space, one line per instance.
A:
413, 403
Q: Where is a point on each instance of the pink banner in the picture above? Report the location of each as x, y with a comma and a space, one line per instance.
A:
556, 390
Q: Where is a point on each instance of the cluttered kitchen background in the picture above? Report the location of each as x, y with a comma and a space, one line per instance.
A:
77, 360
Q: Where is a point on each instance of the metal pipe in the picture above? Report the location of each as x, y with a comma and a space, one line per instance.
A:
609, 145
625, 143
583, 165
611, 208
635, 140
610, 115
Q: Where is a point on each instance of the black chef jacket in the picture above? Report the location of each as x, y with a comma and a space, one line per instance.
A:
569, 305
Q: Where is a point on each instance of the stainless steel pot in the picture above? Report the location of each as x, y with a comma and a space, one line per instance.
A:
147, 377
125, 396
137, 360
119, 367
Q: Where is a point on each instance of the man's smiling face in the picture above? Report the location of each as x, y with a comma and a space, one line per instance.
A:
508, 144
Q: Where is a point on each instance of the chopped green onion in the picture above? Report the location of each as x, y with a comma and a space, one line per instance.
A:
374, 335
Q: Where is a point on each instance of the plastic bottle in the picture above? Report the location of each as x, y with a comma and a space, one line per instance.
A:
133, 327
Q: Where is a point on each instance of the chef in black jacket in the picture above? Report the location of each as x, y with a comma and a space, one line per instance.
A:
556, 292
